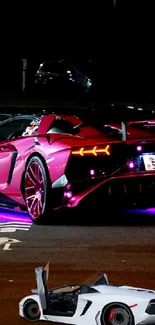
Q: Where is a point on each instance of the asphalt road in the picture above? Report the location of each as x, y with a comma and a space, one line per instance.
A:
76, 254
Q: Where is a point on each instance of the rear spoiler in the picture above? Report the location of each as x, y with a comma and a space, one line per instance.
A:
93, 112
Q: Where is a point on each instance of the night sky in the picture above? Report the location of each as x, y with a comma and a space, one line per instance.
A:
119, 41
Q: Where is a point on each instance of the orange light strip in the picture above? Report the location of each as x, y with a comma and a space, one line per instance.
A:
94, 151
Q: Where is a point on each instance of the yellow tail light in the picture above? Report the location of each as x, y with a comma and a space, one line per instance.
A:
94, 151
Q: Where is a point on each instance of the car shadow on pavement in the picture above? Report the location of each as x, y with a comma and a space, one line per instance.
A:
105, 217
86, 217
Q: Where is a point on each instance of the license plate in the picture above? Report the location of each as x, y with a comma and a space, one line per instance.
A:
149, 162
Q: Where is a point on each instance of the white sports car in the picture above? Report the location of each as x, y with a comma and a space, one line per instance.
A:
97, 304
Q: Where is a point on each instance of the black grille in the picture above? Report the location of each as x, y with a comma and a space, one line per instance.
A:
151, 308
131, 186
86, 307
123, 192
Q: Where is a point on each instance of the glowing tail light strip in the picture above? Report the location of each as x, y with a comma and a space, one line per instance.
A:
94, 151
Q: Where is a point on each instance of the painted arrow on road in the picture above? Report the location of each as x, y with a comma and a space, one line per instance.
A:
7, 242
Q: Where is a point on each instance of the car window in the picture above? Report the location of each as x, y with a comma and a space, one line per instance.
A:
50, 67
66, 66
57, 67
62, 126
32, 127
14, 126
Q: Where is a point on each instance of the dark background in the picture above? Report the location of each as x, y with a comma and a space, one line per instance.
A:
119, 41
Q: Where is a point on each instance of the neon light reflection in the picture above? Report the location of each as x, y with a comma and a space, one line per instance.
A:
17, 217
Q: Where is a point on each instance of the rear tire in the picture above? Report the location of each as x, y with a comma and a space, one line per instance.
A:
37, 191
117, 314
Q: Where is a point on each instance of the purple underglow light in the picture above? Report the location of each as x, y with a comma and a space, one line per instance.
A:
6, 215
15, 219
68, 194
149, 211
139, 148
131, 165
92, 172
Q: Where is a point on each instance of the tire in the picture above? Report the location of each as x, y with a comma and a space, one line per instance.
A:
117, 314
37, 191
31, 310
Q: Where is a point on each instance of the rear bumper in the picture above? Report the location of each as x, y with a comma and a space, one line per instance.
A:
123, 190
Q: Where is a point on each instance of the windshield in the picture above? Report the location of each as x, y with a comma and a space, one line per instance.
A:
57, 67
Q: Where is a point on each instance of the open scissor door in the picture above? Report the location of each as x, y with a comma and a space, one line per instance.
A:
42, 275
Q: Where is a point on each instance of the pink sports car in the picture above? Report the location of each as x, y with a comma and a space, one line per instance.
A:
48, 162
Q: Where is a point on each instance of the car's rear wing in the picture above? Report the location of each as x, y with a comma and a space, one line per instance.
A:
120, 113
93, 113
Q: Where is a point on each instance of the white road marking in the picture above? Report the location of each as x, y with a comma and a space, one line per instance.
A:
7, 243
13, 226
11, 229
